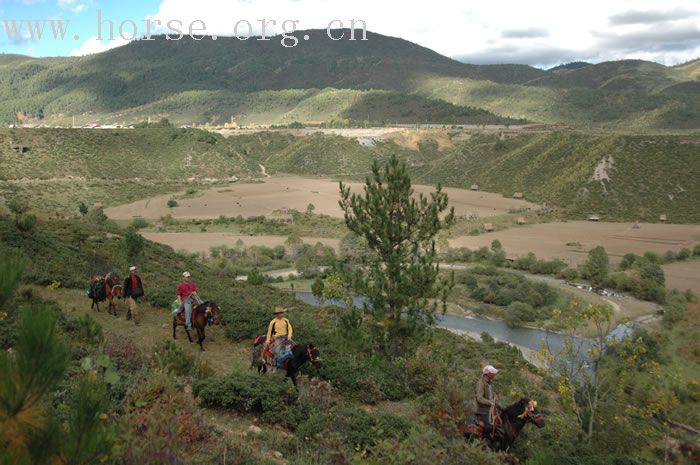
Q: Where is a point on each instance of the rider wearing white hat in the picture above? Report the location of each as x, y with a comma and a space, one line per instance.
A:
187, 296
486, 398
132, 290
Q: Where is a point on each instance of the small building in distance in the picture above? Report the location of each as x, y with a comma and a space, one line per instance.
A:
474, 187
518, 195
663, 217
593, 218
521, 220
488, 227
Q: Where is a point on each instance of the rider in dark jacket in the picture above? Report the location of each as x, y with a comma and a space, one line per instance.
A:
133, 289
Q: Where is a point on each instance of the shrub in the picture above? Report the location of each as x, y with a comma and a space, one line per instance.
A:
244, 320
652, 272
139, 223
684, 254
26, 222
357, 428
247, 393
522, 311
696, 250
255, 277
12, 265
172, 203
85, 330
673, 313
628, 261
133, 244
568, 274
161, 296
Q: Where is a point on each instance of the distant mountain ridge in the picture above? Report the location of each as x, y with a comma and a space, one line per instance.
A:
261, 82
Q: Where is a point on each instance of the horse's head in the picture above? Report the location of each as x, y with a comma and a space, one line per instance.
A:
313, 353
530, 413
213, 313
116, 291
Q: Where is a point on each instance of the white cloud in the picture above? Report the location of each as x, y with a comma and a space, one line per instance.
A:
94, 45
535, 29
75, 6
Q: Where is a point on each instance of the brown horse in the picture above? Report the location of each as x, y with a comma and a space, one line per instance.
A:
110, 287
202, 314
508, 424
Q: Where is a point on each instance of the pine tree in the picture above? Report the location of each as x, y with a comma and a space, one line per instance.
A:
401, 279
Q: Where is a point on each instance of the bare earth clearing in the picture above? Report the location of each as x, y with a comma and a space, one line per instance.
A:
293, 192
683, 276
550, 240
202, 242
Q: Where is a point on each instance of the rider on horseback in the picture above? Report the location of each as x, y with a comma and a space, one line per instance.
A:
279, 334
487, 408
187, 296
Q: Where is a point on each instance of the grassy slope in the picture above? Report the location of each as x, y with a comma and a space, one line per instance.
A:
650, 174
211, 81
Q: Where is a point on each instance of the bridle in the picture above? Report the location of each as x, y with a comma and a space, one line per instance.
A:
310, 355
530, 414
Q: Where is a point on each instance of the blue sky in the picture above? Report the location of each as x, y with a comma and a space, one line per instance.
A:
535, 32
82, 17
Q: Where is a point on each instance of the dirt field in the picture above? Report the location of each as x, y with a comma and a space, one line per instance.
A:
202, 242
683, 276
251, 199
550, 240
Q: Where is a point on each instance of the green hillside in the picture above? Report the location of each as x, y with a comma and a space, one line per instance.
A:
211, 81
617, 176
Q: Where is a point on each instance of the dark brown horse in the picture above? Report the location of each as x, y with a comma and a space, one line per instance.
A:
300, 355
202, 314
508, 424
110, 288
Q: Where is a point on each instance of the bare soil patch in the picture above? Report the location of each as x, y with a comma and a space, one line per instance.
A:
571, 241
685, 275
293, 192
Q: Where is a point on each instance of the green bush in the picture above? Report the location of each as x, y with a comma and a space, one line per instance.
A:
172, 203
568, 274
357, 428
139, 223
12, 265
684, 254
26, 222
628, 261
245, 320
247, 393
161, 296
85, 330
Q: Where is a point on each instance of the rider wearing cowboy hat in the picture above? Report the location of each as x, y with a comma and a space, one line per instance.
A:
279, 326
486, 398
279, 333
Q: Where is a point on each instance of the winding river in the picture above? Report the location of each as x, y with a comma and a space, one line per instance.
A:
523, 338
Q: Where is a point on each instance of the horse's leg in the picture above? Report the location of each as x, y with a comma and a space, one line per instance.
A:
174, 326
200, 338
189, 336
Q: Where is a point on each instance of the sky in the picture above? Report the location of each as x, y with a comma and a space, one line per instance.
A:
537, 32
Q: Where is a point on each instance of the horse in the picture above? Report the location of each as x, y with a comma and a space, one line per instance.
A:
202, 314
111, 288
300, 355
508, 423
